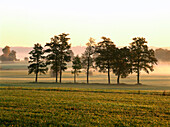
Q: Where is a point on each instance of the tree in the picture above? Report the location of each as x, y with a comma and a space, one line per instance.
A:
6, 51
106, 51
38, 64
122, 64
71, 53
8, 55
64, 53
12, 56
162, 54
76, 67
53, 55
26, 59
87, 58
143, 58
58, 54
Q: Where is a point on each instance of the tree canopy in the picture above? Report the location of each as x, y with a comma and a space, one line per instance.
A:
104, 56
58, 53
106, 51
77, 65
122, 63
143, 58
38, 64
8, 55
87, 56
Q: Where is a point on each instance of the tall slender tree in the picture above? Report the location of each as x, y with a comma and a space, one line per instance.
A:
143, 58
53, 55
38, 64
106, 51
76, 67
64, 53
87, 57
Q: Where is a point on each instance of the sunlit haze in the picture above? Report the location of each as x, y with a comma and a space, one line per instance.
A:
24, 23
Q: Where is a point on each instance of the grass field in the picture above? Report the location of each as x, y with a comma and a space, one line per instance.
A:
96, 77
82, 107
25, 103
18, 72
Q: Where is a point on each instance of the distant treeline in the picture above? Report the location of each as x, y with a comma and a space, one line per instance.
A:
8, 55
162, 55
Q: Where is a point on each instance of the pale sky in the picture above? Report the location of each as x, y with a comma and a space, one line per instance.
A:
26, 22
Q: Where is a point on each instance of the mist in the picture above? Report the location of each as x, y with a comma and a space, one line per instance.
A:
162, 68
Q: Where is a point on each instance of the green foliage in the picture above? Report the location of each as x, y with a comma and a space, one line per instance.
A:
122, 63
81, 107
87, 56
76, 67
64, 51
142, 57
58, 53
106, 52
53, 53
38, 64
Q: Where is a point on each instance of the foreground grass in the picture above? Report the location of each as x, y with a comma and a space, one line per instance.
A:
26, 106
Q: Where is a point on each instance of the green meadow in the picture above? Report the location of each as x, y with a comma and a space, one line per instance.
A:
25, 103
95, 77
23, 106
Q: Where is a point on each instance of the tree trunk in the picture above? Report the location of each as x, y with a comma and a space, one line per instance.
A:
108, 73
60, 69
56, 76
88, 64
87, 75
138, 74
118, 78
60, 75
74, 77
36, 77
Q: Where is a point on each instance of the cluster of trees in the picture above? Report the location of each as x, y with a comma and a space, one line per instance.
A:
162, 54
103, 56
8, 55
